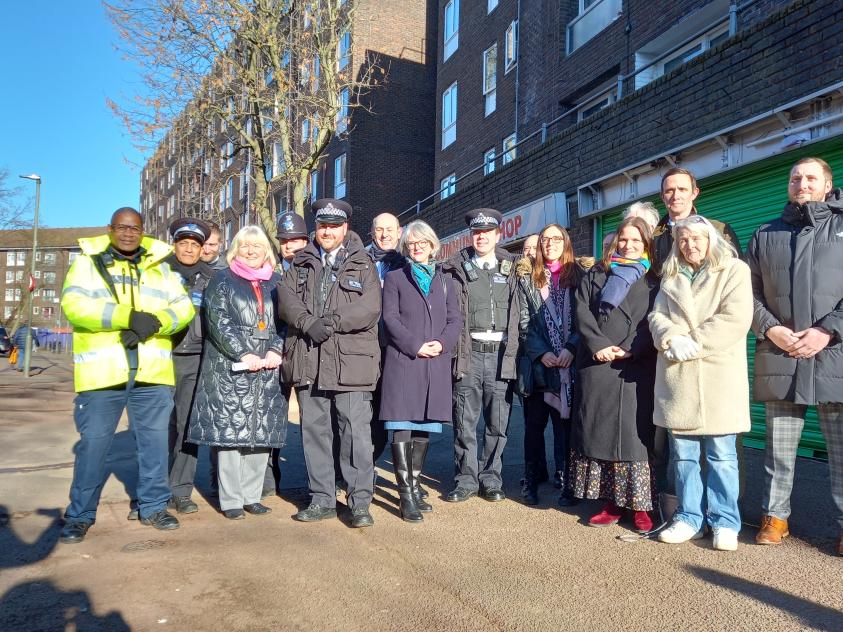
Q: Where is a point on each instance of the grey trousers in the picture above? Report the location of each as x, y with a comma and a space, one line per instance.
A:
785, 421
240, 472
353, 415
480, 392
182, 454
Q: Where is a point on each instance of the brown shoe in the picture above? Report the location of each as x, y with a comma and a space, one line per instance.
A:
773, 530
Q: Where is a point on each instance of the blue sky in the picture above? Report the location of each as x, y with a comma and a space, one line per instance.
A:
58, 65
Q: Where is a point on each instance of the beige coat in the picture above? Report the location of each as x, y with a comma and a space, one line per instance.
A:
708, 395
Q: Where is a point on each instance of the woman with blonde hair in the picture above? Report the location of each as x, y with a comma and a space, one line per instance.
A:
699, 324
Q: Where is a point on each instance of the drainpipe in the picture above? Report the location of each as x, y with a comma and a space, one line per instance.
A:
517, 66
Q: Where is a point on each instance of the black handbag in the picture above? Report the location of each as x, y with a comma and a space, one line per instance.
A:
534, 377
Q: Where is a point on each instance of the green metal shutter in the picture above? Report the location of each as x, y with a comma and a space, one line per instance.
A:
746, 198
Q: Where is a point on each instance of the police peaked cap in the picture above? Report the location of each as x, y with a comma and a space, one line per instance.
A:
190, 227
331, 211
483, 219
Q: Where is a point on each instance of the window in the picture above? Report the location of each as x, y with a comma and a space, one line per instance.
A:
48, 293
244, 219
21, 257
38, 256
452, 28
593, 17
342, 114
510, 47
596, 103
49, 277
448, 186
339, 176
10, 258
694, 49
509, 149
38, 274
7, 311
227, 195
228, 233
314, 185
49, 258
35, 310
47, 312
10, 294
344, 50
490, 5
449, 116
10, 276
305, 131
171, 176
489, 161
278, 165
19, 276
490, 68
71, 257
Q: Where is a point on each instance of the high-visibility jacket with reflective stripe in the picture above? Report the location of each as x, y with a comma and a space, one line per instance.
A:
100, 359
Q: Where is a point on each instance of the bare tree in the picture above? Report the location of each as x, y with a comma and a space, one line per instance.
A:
259, 86
13, 214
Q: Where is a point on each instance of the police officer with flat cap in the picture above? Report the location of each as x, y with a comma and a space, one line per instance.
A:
292, 237
331, 300
189, 235
484, 360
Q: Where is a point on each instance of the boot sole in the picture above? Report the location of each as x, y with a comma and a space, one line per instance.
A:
772, 542
600, 525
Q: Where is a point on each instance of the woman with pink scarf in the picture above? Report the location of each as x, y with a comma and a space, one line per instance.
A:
239, 406
549, 342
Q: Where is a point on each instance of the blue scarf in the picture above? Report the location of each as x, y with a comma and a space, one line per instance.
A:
423, 274
623, 273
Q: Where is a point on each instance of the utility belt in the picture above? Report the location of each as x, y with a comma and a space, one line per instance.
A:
486, 346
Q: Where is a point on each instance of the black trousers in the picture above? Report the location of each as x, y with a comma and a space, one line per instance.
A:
182, 454
536, 415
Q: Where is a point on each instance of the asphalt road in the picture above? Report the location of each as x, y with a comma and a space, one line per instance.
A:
472, 566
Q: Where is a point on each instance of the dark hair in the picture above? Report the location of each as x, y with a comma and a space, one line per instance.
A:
568, 275
215, 228
646, 235
822, 163
678, 171
125, 209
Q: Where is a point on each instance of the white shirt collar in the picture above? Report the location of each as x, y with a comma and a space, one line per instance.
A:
490, 258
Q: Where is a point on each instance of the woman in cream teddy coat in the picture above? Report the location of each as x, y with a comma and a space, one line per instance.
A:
699, 324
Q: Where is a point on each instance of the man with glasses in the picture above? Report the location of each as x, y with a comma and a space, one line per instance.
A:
122, 360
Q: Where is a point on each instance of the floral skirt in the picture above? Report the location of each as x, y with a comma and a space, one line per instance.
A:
628, 484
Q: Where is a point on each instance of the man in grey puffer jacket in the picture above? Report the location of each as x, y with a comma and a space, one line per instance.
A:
797, 281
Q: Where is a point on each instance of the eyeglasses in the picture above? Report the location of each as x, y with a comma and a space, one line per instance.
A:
421, 245
557, 239
125, 228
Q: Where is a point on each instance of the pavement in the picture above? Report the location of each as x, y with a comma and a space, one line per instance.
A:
470, 566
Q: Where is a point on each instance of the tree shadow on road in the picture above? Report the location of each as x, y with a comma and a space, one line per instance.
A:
812, 616
14, 552
39, 605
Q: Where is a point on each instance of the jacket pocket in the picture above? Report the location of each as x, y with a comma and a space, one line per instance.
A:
356, 361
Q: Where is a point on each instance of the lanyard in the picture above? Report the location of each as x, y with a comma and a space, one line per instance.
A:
259, 295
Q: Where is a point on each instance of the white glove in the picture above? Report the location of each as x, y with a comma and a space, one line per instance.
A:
682, 348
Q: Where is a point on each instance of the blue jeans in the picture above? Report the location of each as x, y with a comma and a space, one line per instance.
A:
716, 497
97, 414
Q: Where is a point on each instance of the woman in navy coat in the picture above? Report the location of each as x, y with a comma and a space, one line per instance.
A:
423, 323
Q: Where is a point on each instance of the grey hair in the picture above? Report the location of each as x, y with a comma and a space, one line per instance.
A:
718, 248
421, 230
257, 235
645, 210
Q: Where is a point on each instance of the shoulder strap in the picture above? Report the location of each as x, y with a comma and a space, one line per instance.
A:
101, 267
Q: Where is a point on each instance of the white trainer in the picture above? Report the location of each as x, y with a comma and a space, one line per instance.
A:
725, 539
678, 532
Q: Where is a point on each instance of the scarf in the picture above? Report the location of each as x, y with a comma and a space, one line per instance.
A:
189, 272
623, 273
423, 274
558, 318
264, 273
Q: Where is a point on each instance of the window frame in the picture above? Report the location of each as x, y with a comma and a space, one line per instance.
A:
450, 43
447, 186
508, 155
510, 47
490, 79
489, 158
449, 126
340, 166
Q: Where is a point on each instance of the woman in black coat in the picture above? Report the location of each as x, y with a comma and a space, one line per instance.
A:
423, 324
616, 366
242, 411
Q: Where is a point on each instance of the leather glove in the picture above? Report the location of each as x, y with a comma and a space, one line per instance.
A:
129, 338
321, 330
683, 348
144, 324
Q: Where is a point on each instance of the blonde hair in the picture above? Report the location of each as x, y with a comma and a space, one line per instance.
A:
718, 248
256, 235
421, 230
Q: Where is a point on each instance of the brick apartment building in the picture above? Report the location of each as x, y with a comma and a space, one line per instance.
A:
57, 248
384, 162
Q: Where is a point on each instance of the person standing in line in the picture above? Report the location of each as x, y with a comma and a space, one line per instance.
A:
423, 323
616, 366
239, 407
292, 237
211, 249
530, 246
484, 360
699, 324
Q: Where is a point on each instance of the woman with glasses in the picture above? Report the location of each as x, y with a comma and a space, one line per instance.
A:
423, 324
613, 422
699, 324
239, 406
548, 338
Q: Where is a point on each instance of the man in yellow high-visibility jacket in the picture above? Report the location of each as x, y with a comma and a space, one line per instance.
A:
124, 302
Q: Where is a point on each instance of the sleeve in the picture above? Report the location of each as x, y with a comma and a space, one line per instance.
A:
762, 317
406, 341
88, 303
221, 331
833, 321
453, 321
662, 326
364, 312
291, 308
590, 335
179, 310
731, 322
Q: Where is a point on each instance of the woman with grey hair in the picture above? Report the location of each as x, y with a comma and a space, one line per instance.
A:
239, 406
699, 323
645, 210
423, 323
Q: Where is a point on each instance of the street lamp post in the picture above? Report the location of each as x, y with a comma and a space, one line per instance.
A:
27, 349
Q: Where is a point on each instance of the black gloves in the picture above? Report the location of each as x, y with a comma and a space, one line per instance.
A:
321, 330
129, 338
144, 324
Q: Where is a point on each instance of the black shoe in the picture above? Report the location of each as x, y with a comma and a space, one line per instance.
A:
74, 532
133, 514
234, 514
493, 495
566, 500
360, 517
161, 520
541, 475
314, 513
266, 492
460, 494
558, 478
183, 504
256, 509
423, 493
530, 491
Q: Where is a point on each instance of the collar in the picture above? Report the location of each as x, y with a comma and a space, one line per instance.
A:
490, 258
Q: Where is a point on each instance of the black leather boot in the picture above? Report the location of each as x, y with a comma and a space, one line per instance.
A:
401, 461
530, 485
419, 454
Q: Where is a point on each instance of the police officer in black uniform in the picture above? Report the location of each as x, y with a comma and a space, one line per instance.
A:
484, 361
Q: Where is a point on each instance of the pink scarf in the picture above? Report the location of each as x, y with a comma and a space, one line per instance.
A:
264, 273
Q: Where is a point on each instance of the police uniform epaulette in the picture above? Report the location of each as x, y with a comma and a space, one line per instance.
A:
506, 267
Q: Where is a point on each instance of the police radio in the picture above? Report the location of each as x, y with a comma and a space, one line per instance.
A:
469, 270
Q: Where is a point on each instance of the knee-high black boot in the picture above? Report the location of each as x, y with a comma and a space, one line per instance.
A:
417, 463
402, 462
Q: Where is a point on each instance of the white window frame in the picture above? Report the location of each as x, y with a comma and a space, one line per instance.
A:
340, 176
343, 111
595, 103
21, 257
490, 78
10, 276
47, 312
49, 258
593, 17
451, 29
49, 277
448, 186
450, 99
510, 45
491, 5
510, 152
702, 44
489, 157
